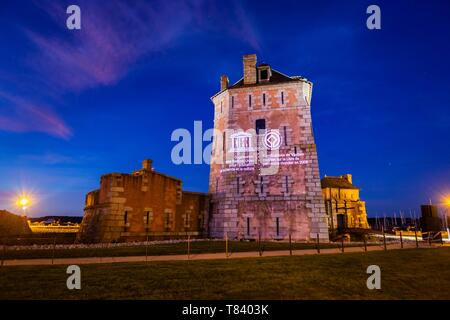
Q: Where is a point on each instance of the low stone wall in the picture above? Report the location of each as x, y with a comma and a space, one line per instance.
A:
101, 245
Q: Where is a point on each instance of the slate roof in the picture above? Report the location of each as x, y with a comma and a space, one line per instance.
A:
277, 77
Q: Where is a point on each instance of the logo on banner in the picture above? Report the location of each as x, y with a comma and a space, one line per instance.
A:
272, 140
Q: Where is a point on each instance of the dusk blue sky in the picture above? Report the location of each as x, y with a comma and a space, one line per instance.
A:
77, 104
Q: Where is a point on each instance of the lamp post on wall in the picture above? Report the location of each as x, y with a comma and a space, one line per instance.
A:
23, 202
446, 214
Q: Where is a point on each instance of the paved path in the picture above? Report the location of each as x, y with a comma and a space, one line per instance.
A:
202, 256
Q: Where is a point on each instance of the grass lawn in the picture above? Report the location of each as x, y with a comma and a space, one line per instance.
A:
158, 249
405, 274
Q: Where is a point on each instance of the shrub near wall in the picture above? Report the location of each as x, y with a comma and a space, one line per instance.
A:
13, 225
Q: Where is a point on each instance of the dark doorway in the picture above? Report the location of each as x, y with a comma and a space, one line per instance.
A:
340, 221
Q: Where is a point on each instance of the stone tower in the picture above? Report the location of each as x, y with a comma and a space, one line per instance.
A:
264, 174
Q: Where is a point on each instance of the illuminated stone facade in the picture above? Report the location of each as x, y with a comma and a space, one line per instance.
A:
344, 207
132, 207
264, 175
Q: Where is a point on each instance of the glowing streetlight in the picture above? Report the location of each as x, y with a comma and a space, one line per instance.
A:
23, 202
447, 205
447, 201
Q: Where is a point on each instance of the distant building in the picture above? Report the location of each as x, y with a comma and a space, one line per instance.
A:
131, 207
343, 206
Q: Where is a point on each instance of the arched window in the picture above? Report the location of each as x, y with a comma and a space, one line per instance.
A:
277, 224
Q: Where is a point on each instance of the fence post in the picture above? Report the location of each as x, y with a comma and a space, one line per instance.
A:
290, 244
365, 243
384, 239
146, 249
415, 233
101, 250
259, 244
3, 254
318, 244
189, 247
226, 244
401, 240
54, 247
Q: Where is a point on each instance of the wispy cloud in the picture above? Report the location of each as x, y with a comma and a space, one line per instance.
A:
49, 158
244, 28
19, 115
53, 158
115, 35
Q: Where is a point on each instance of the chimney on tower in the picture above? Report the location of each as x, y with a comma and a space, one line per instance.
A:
147, 164
223, 82
249, 62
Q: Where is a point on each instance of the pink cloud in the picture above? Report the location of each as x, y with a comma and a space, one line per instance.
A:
18, 115
244, 28
113, 37
116, 34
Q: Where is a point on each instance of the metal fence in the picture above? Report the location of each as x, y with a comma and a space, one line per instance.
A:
54, 246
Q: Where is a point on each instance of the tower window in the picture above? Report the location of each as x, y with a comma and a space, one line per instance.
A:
187, 219
249, 100
277, 222
125, 221
221, 107
286, 182
285, 135
248, 226
282, 97
148, 218
167, 222
264, 74
261, 184
260, 124
264, 99
224, 141
232, 102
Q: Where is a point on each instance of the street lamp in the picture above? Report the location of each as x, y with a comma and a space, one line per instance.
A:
23, 202
447, 209
447, 201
